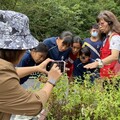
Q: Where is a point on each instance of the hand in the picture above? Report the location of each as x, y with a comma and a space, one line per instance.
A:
66, 68
91, 65
54, 73
42, 67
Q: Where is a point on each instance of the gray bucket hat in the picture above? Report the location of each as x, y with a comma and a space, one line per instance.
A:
14, 31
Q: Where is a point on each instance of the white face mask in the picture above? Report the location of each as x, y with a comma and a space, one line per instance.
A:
94, 34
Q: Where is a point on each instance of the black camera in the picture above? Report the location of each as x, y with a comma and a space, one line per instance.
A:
61, 65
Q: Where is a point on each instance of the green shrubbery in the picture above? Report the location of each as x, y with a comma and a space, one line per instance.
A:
51, 17
85, 101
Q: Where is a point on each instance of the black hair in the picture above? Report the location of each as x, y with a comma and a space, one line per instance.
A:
77, 39
67, 37
65, 34
41, 48
86, 51
95, 26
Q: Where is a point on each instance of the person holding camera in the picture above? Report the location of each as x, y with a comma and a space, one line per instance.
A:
15, 39
109, 25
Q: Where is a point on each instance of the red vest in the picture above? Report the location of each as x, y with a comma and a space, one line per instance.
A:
107, 70
70, 61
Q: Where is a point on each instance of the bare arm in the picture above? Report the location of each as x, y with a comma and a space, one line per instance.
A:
114, 56
53, 74
24, 71
20, 101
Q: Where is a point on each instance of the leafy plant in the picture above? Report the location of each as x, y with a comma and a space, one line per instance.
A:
85, 101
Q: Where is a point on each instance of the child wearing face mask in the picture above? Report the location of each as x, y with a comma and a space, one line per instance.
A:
94, 42
79, 70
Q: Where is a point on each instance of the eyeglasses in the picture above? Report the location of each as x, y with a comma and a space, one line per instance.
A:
101, 24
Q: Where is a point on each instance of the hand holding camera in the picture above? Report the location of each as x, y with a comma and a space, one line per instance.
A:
52, 70
60, 64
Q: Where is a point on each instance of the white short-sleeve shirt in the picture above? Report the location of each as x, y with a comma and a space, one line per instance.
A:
115, 42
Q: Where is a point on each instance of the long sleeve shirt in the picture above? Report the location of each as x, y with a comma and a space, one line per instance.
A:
14, 99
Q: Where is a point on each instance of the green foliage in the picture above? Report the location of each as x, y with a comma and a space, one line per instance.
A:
8, 4
85, 101
51, 17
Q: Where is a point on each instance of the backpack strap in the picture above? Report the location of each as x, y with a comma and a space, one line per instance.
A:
91, 47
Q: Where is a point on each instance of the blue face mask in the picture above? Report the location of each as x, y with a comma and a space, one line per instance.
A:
94, 34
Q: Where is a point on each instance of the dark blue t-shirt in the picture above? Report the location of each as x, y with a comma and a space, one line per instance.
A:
25, 62
53, 51
79, 69
97, 45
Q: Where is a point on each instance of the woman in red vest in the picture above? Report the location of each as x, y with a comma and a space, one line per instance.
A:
110, 26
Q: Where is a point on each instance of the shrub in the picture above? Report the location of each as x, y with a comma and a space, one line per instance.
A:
85, 101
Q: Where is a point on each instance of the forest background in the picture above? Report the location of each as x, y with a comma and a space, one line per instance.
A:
51, 17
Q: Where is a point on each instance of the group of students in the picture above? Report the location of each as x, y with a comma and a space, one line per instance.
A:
78, 53
16, 38
66, 47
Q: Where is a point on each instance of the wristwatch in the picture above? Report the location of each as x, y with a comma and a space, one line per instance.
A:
100, 63
52, 82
